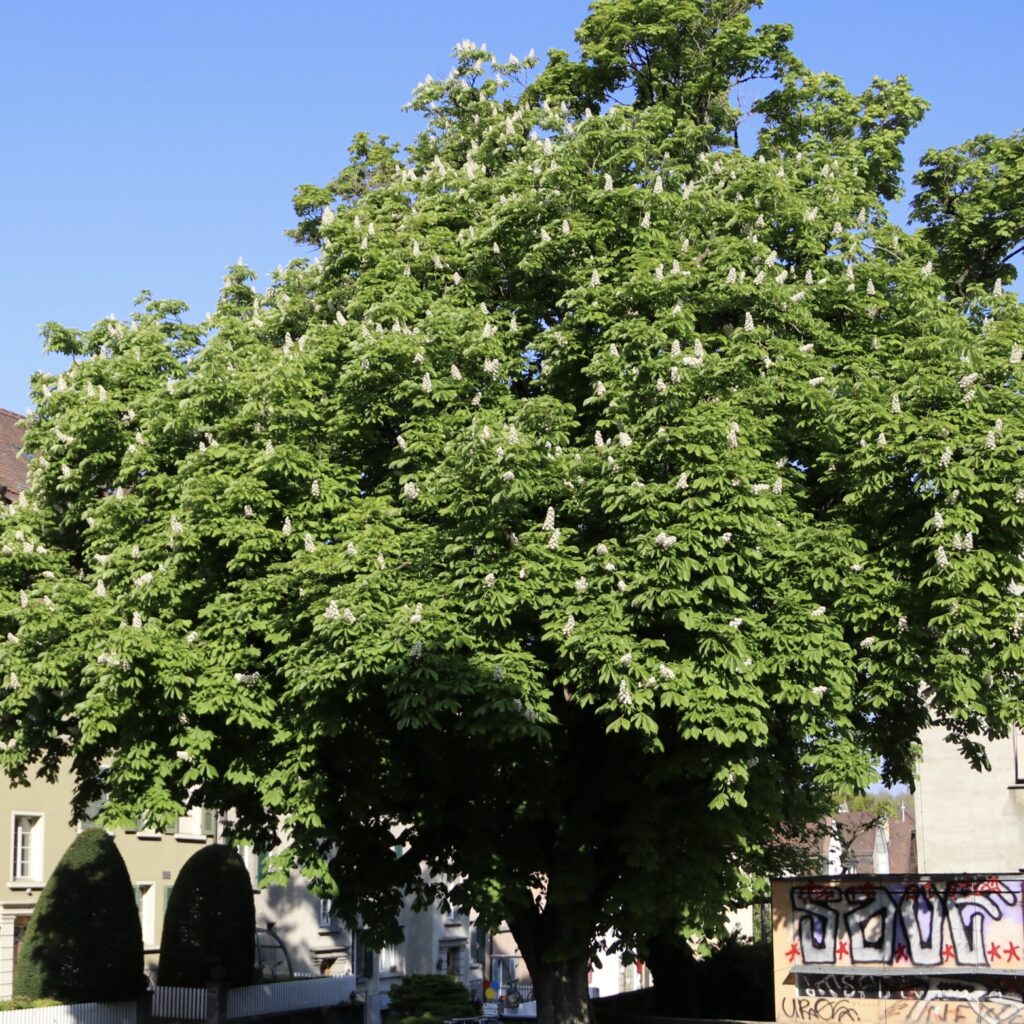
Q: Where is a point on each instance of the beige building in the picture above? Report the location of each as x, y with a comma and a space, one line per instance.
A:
970, 821
35, 830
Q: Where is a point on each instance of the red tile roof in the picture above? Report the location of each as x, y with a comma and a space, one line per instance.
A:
12, 467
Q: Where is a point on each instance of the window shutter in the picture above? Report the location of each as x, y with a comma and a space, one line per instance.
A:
209, 823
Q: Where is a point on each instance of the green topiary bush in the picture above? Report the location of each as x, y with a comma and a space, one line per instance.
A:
210, 923
84, 941
430, 999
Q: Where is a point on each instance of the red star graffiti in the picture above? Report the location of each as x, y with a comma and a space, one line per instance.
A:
844, 949
901, 953
794, 952
1012, 951
994, 952
948, 953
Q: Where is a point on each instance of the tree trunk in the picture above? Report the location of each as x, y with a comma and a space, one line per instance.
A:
561, 991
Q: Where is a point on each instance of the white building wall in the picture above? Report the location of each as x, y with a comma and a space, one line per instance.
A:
969, 821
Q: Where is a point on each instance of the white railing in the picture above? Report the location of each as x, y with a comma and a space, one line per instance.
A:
174, 1003
179, 1003
286, 996
75, 1013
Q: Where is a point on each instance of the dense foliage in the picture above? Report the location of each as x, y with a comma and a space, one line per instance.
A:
210, 922
84, 939
430, 999
597, 496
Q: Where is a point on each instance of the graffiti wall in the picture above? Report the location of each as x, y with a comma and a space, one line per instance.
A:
899, 948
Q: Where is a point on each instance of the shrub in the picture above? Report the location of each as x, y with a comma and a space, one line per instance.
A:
84, 940
738, 959
429, 999
210, 923
24, 1003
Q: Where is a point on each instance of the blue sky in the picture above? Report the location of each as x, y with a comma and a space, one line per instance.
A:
150, 145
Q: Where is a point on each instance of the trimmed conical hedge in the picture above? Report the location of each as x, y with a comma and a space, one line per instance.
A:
210, 922
84, 941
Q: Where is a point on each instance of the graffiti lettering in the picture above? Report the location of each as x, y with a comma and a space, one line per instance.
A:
919, 924
819, 922
818, 1009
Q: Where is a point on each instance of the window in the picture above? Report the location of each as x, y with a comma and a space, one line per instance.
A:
1018, 756
391, 959
198, 823
328, 922
28, 848
145, 904
362, 955
479, 940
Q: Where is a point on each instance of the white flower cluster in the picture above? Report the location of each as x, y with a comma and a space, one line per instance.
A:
665, 540
733, 436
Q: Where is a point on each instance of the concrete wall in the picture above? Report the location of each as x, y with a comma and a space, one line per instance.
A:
969, 821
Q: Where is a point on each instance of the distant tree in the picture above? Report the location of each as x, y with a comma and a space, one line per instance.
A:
595, 497
84, 939
885, 804
210, 922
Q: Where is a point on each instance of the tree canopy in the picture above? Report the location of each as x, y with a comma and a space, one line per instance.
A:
595, 497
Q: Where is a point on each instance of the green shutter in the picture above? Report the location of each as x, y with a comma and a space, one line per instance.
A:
209, 824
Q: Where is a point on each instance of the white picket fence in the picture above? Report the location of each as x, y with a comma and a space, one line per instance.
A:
191, 1003
169, 1001
286, 996
74, 1013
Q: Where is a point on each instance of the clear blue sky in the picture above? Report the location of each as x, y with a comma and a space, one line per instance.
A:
150, 145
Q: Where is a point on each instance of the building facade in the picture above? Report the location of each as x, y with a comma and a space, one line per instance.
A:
970, 821
35, 831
